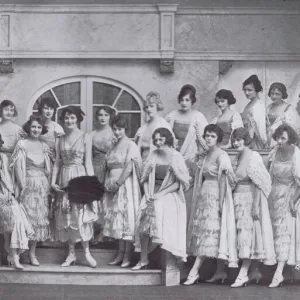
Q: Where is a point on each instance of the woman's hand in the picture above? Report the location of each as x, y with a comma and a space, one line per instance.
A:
57, 188
154, 198
292, 208
255, 212
114, 187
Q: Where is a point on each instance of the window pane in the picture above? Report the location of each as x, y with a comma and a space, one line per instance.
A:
47, 94
68, 94
127, 102
134, 123
104, 93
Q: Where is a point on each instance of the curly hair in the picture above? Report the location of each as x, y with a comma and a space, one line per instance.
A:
72, 110
241, 134
38, 119
280, 87
164, 132
216, 129
253, 79
187, 89
225, 94
153, 97
293, 137
121, 122
50, 103
6, 103
112, 112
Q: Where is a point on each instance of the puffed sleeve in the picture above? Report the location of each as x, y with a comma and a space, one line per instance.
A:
225, 166
236, 121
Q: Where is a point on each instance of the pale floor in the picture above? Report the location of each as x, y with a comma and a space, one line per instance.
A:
196, 292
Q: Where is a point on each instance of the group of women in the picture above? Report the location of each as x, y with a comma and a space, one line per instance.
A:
173, 186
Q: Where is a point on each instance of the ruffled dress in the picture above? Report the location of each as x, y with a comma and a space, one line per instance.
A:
254, 238
73, 222
164, 220
121, 207
13, 216
285, 177
37, 187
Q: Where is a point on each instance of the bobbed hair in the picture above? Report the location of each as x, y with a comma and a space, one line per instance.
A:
241, 134
153, 97
187, 89
253, 79
72, 110
50, 103
216, 129
6, 103
292, 135
112, 112
225, 94
164, 132
121, 122
279, 86
32, 118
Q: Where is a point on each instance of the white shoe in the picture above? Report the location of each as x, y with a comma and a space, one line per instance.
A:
240, 281
192, 279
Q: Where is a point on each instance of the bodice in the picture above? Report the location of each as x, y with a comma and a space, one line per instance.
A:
242, 176
31, 164
11, 137
180, 130
210, 171
101, 144
116, 159
72, 154
54, 131
160, 173
226, 128
283, 172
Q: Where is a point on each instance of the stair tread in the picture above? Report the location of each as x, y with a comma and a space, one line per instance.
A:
53, 268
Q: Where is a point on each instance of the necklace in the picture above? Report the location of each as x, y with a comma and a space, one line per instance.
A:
284, 153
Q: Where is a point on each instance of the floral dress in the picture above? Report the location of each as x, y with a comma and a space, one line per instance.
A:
74, 222
37, 186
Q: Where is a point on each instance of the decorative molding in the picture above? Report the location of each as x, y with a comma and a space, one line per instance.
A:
6, 66
238, 11
5, 30
225, 66
166, 66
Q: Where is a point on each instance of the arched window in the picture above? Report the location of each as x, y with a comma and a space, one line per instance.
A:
89, 93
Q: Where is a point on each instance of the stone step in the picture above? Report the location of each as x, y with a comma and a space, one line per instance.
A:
79, 275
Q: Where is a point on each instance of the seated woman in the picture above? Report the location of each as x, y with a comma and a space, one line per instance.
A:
11, 133
14, 223
284, 168
279, 112
152, 106
122, 196
30, 163
253, 223
228, 120
211, 229
254, 114
162, 214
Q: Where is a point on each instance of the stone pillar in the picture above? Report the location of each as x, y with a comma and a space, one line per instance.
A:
170, 269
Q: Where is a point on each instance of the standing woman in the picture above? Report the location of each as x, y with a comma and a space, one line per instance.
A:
284, 168
124, 167
254, 114
211, 229
228, 120
30, 163
188, 126
47, 110
11, 133
73, 222
253, 223
279, 112
152, 106
14, 223
162, 214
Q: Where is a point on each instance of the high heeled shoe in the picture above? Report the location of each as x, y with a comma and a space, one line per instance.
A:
92, 262
277, 281
14, 262
125, 264
219, 277
33, 260
117, 260
241, 281
140, 266
255, 276
192, 279
70, 260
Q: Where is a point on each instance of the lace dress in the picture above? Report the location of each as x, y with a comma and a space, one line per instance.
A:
122, 206
74, 222
36, 171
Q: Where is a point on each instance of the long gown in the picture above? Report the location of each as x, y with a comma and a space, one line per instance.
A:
228, 127
164, 220
209, 234
37, 187
285, 177
13, 216
254, 118
122, 206
73, 221
254, 238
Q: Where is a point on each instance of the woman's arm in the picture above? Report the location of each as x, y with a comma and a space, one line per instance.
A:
19, 176
293, 201
222, 189
255, 204
125, 174
56, 167
88, 157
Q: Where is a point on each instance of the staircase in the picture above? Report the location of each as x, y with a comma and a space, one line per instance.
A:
50, 272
